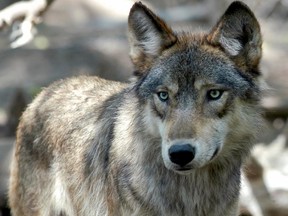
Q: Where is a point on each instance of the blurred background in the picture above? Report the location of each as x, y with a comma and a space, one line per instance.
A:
89, 37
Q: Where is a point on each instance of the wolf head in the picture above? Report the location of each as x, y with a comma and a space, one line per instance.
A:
200, 91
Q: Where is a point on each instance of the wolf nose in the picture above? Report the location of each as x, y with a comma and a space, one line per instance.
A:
181, 154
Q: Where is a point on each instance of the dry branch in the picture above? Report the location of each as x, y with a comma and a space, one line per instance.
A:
28, 13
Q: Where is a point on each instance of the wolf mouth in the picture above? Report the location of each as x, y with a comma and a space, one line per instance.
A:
183, 169
214, 154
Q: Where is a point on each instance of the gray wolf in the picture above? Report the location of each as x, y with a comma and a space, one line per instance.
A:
170, 142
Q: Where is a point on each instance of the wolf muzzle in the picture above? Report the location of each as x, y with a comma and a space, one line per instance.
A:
181, 154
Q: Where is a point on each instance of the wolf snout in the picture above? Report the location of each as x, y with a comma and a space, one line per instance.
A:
181, 154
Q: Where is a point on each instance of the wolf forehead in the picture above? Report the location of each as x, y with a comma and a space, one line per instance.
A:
194, 64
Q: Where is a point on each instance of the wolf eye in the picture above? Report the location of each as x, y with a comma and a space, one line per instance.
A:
214, 94
163, 96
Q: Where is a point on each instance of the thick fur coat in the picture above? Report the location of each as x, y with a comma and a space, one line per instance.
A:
169, 143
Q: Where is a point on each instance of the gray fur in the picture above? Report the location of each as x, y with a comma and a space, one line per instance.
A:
91, 147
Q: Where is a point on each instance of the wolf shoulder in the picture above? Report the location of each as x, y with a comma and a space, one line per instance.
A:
68, 106
79, 92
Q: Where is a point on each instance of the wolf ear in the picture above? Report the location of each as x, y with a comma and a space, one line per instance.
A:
148, 36
238, 33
